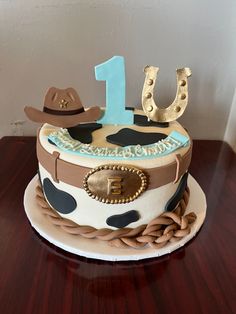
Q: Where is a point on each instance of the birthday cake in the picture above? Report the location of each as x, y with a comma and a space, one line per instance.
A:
117, 173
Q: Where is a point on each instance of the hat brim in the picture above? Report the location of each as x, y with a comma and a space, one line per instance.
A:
63, 121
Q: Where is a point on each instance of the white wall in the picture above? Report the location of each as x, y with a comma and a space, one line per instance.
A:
47, 43
230, 132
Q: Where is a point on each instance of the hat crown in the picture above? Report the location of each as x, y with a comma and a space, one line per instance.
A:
62, 99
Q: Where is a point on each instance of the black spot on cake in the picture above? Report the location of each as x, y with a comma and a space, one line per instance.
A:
127, 136
129, 108
83, 132
60, 200
123, 220
51, 142
174, 200
40, 180
143, 121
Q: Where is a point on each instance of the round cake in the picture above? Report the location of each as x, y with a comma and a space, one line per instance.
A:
107, 200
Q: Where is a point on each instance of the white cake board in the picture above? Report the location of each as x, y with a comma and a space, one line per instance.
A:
100, 249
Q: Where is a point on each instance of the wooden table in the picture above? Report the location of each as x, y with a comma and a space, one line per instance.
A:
37, 277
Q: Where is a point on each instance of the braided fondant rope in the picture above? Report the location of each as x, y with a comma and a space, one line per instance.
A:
168, 227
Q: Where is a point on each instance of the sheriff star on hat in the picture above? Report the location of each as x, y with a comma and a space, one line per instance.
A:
62, 108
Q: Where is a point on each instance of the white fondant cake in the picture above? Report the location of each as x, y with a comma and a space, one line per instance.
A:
92, 212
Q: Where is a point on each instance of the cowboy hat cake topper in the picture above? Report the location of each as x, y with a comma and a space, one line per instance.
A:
62, 108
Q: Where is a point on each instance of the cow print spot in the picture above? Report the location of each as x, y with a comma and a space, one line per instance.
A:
51, 142
60, 200
123, 220
83, 132
143, 121
174, 200
130, 108
126, 137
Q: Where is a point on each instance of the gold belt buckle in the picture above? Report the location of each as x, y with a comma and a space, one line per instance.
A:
115, 184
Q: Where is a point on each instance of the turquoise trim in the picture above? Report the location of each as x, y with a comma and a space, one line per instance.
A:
174, 141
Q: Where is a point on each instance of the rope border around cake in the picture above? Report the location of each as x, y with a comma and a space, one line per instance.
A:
166, 228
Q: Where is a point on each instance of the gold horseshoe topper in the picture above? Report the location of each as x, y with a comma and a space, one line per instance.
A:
178, 106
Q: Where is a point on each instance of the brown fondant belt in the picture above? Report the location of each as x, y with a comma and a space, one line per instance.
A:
72, 174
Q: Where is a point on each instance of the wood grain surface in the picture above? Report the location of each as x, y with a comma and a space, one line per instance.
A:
37, 277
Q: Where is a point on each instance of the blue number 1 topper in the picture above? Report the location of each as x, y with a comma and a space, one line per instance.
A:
113, 72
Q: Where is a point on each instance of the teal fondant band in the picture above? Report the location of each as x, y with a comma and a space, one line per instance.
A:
65, 142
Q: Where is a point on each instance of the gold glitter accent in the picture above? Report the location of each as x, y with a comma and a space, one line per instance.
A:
169, 113
63, 104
